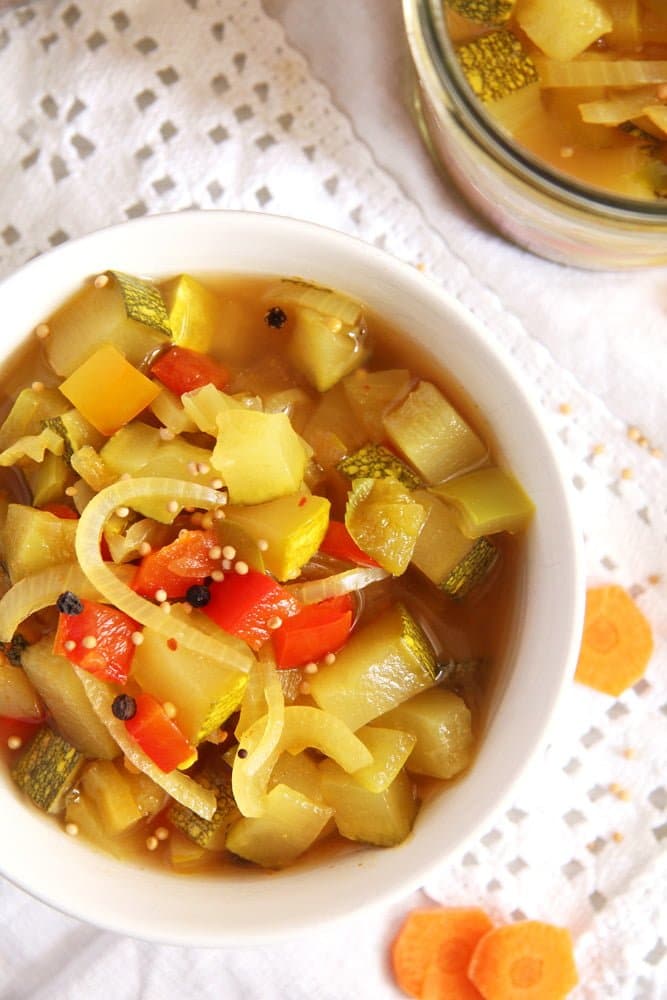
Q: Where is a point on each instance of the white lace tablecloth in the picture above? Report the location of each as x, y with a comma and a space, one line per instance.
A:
112, 110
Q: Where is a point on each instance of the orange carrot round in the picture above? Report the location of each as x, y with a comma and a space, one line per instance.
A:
617, 642
435, 944
529, 960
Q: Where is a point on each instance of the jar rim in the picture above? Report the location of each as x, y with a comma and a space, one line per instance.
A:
427, 17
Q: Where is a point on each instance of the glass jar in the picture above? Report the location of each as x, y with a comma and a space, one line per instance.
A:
529, 203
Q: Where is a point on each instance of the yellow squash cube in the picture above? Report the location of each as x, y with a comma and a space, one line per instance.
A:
108, 391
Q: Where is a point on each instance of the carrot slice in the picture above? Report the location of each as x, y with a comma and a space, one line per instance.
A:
529, 960
447, 973
436, 937
617, 641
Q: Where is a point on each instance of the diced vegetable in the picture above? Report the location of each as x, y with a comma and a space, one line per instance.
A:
170, 411
299, 772
182, 370
338, 542
184, 854
203, 406
391, 749
102, 637
127, 313
258, 455
92, 469
371, 393
373, 461
193, 312
442, 725
32, 448
203, 690
108, 390
488, 500
496, 64
75, 431
62, 692
29, 410
246, 605
125, 546
177, 566
381, 818
159, 737
565, 31
382, 664
292, 526
109, 788
39, 540
433, 436
48, 479
601, 72
289, 825
483, 11
333, 430
18, 698
384, 520
47, 769
313, 632
209, 833
449, 559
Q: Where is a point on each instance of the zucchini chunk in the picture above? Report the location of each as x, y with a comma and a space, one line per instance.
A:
374, 461
496, 65
432, 436
381, 818
39, 540
441, 723
47, 769
18, 697
204, 690
370, 395
29, 412
193, 313
258, 455
483, 11
384, 520
61, 690
126, 312
564, 30
109, 790
391, 749
208, 833
446, 556
293, 526
289, 825
48, 479
75, 431
333, 430
381, 665
487, 501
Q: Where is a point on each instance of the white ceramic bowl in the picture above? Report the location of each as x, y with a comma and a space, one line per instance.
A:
251, 906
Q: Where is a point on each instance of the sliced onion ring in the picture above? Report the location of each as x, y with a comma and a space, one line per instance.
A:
313, 591
89, 531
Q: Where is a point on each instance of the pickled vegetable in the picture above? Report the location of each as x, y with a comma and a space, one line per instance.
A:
209, 833
382, 818
39, 540
47, 769
108, 787
440, 721
374, 461
18, 697
258, 455
487, 501
384, 520
432, 435
289, 825
382, 665
564, 31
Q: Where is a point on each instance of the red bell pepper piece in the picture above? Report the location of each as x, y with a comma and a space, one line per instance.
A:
182, 370
61, 510
25, 729
316, 630
177, 566
338, 542
111, 656
244, 605
158, 736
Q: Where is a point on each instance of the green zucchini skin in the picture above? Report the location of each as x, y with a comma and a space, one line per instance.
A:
47, 769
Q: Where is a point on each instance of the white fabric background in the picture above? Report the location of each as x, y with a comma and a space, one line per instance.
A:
115, 109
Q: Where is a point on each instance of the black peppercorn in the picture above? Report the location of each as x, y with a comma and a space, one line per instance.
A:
69, 604
198, 595
275, 317
242, 752
124, 707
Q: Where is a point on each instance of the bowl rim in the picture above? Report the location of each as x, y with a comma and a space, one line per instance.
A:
162, 928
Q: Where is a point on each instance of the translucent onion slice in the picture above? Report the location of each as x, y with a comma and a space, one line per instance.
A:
617, 109
601, 72
89, 531
183, 789
41, 590
261, 743
323, 300
313, 591
302, 727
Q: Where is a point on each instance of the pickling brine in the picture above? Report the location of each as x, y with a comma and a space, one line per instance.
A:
258, 571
